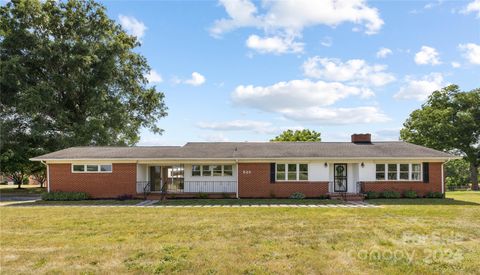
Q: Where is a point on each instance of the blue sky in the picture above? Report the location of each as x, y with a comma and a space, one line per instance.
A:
245, 71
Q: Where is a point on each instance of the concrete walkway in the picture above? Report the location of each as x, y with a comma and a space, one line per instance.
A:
151, 204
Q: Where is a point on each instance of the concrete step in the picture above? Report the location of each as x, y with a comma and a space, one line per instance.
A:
347, 196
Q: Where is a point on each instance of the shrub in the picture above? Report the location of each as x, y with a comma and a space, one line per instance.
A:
297, 196
434, 195
202, 195
64, 196
372, 195
225, 195
410, 194
124, 197
391, 195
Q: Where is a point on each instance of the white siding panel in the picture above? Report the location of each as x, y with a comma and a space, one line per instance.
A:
367, 173
142, 171
318, 172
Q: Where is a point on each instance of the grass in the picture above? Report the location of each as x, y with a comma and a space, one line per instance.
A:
395, 239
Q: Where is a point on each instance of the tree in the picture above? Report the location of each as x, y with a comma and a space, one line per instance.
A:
449, 121
69, 76
298, 135
457, 172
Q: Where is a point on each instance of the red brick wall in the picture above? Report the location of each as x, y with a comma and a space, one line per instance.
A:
255, 183
434, 184
121, 181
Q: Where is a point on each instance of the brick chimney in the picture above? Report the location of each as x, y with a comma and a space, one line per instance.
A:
362, 138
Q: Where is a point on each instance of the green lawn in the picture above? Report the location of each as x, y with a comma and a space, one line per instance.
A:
426, 237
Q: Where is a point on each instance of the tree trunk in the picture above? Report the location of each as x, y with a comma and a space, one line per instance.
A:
474, 176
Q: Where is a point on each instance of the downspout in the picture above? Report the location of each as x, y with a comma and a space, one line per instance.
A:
443, 179
236, 161
48, 175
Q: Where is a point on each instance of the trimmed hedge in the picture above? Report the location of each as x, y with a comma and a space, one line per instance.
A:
391, 195
297, 196
410, 194
434, 195
372, 195
64, 196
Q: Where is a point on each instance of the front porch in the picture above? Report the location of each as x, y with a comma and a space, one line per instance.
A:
177, 180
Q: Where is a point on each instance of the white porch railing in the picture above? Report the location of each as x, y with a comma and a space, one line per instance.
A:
357, 187
141, 186
210, 186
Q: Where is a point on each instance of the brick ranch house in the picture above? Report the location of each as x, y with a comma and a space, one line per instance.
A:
248, 169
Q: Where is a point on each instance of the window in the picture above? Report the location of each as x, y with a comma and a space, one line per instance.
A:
78, 168
303, 174
217, 170
206, 170
91, 168
106, 168
292, 172
404, 171
227, 170
280, 171
196, 172
380, 171
392, 171
416, 171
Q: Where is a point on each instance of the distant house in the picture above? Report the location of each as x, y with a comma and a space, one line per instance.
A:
248, 169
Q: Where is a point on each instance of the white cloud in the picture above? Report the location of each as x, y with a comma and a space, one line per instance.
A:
288, 18
132, 26
196, 80
262, 127
217, 137
305, 100
420, 89
235, 125
455, 65
474, 7
330, 116
354, 71
327, 41
427, 55
153, 77
274, 44
295, 94
471, 52
384, 52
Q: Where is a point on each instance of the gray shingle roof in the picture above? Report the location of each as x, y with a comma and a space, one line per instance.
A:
249, 150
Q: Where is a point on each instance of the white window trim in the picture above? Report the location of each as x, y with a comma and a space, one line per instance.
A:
211, 170
297, 172
410, 171
91, 172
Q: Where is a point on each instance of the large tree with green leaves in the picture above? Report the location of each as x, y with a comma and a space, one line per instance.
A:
69, 76
298, 135
449, 121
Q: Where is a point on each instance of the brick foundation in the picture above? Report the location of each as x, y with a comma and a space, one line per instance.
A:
254, 182
122, 180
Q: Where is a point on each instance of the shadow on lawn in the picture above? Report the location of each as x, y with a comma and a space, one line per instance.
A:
447, 201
